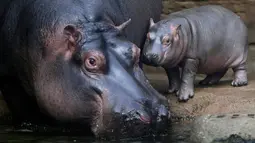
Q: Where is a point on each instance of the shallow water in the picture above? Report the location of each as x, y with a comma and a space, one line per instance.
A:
179, 133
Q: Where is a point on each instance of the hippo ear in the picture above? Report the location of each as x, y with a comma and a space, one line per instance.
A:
175, 29
123, 25
73, 35
152, 23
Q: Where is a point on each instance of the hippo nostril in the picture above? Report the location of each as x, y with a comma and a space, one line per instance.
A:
162, 110
145, 55
154, 57
163, 113
144, 117
169, 115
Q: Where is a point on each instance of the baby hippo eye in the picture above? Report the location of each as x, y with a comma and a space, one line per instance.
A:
94, 61
166, 40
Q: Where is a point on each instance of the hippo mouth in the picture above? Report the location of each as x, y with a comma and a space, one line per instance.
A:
140, 126
162, 60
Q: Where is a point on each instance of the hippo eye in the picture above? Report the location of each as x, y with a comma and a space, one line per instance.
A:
94, 62
166, 40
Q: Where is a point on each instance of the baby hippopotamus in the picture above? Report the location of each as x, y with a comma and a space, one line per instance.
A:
205, 40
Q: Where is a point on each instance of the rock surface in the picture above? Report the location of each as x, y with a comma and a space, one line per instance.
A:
209, 128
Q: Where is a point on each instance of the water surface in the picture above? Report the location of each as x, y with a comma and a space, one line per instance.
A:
178, 133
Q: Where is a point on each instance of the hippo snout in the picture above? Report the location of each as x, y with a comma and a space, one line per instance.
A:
140, 122
148, 116
163, 114
139, 115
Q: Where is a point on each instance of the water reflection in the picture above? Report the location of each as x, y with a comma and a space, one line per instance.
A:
178, 133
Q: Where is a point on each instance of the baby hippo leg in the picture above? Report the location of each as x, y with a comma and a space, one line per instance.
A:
213, 78
189, 71
240, 76
174, 80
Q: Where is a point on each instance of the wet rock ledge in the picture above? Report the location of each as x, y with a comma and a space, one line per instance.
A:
213, 128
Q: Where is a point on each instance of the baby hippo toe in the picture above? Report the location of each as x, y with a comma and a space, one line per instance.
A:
185, 95
240, 78
239, 82
174, 85
172, 89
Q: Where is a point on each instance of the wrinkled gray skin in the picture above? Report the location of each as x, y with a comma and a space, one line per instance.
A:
206, 40
74, 64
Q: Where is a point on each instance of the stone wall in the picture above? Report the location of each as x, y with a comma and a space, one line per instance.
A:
244, 8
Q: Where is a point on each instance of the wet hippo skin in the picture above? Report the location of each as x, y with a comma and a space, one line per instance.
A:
205, 40
75, 63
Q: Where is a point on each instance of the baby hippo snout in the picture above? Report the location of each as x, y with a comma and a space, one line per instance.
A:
150, 59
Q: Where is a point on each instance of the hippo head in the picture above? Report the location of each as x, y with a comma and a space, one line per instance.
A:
163, 45
92, 77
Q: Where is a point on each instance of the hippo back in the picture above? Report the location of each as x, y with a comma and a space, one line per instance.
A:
3, 5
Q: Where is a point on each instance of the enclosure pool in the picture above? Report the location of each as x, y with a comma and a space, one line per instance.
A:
179, 132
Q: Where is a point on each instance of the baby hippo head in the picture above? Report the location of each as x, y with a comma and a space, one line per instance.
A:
163, 44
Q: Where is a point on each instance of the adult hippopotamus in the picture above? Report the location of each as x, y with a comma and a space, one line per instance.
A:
207, 40
74, 63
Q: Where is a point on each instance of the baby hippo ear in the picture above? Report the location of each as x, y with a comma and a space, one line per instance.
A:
152, 23
175, 29
72, 34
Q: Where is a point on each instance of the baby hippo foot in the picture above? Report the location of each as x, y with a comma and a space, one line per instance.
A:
174, 87
240, 78
174, 80
213, 78
184, 94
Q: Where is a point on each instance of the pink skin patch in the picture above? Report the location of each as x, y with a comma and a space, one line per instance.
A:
148, 36
145, 120
172, 27
174, 30
136, 53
